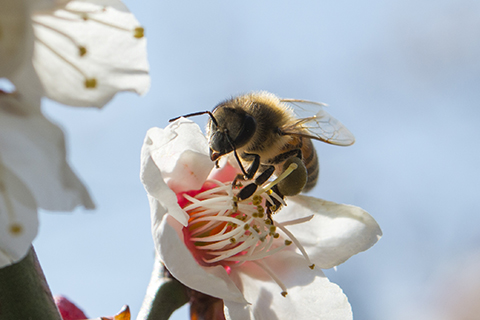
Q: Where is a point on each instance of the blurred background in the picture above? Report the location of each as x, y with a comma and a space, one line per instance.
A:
402, 75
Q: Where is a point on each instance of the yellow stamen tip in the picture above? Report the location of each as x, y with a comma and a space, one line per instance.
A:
82, 51
284, 293
288, 242
139, 32
16, 229
312, 266
232, 240
90, 83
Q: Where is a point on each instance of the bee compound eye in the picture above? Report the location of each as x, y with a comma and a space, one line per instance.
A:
246, 132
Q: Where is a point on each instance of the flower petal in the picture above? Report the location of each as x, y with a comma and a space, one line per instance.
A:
34, 149
335, 233
172, 158
310, 294
213, 281
180, 153
18, 218
88, 51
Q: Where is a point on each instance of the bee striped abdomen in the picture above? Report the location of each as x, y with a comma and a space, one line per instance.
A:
310, 160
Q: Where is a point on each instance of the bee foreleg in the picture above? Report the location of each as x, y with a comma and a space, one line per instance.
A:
253, 167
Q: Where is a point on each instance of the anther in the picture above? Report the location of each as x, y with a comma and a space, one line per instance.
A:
139, 32
288, 242
284, 293
312, 266
16, 229
90, 83
82, 51
257, 200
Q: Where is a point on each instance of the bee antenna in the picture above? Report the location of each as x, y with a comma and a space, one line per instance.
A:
197, 114
235, 153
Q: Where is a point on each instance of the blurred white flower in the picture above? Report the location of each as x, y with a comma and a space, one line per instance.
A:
33, 173
229, 250
83, 51
79, 53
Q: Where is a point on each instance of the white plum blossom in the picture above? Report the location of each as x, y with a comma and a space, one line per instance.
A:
82, 52
79, 53
229, 249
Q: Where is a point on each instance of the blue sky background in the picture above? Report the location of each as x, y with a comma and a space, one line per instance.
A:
402, 75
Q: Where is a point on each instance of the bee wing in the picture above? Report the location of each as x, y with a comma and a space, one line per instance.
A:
315, 123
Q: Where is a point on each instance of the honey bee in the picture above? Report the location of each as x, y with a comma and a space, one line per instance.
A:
268, 134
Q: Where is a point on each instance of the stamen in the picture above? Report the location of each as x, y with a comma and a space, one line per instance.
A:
230, 232
15, 229
297, 243
138, 32
89, 82
297, 221
273, 276
81, 49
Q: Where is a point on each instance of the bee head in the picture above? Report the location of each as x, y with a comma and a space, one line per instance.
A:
233, 128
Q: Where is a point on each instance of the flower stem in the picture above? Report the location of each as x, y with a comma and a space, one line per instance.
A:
164, 295
24, 293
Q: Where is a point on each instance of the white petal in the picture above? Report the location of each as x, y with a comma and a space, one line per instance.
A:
335, 233
310, 294
34, 149
180, 153
18, 218
114, 57
16, 40
180, 263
